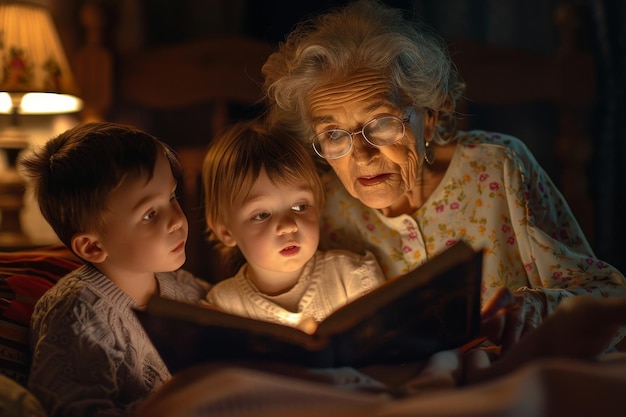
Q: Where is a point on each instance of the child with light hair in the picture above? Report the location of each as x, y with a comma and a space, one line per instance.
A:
264, 197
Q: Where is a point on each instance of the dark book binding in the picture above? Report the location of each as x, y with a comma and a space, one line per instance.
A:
435, 307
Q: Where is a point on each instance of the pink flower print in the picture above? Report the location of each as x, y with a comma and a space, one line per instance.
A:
365, 217
370, 227
506, 228
589, 261
439, 208
557, 275
528, 266
482, 177
601, 265
511, 240
454, 206
494, 186
406, 249
411, 229
450, 242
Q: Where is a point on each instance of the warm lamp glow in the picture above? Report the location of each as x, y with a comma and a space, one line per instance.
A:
35, 78
33, 61
49, 103
5, 103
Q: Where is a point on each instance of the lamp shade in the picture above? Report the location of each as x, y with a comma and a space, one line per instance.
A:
35, 76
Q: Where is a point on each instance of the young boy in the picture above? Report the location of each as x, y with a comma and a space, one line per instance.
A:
264, 197
109, 193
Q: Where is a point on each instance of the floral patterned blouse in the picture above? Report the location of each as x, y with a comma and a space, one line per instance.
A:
495, 196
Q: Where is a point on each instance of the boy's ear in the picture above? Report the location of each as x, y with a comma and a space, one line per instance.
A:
87, 246
224, 235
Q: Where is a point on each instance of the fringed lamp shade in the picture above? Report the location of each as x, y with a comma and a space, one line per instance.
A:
33, 62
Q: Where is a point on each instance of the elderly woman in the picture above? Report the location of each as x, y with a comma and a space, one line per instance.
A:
374, 96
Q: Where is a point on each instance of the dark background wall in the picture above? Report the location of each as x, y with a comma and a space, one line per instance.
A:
522, 24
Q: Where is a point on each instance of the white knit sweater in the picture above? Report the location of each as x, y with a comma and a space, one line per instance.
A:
328, 281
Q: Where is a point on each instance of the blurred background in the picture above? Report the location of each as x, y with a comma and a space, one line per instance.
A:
547, 71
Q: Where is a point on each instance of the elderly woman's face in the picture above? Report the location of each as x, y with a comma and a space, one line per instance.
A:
378, 176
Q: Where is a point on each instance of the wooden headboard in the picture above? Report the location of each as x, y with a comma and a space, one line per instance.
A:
184, 93
565, 81
204, 78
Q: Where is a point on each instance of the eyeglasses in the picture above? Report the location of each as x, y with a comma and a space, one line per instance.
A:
383, 131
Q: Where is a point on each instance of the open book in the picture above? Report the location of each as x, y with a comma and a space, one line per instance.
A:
435, 307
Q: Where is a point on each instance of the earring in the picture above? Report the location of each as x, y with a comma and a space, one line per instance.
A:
429, 153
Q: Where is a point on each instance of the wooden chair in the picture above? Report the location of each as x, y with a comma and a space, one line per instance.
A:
565, 81
186, 93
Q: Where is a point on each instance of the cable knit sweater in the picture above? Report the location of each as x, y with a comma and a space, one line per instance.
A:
91, 355
328, 281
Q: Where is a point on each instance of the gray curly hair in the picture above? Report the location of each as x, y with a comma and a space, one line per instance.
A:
364, 35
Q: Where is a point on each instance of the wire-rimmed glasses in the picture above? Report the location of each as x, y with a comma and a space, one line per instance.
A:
382, 131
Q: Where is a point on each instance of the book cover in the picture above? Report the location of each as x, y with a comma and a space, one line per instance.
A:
433, 308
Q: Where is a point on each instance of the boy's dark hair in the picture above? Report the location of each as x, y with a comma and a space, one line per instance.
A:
74, 172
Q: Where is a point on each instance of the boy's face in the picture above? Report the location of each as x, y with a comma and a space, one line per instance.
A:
145, 228
276, 227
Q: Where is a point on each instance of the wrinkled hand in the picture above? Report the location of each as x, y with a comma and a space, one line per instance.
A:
581, 327
506, 317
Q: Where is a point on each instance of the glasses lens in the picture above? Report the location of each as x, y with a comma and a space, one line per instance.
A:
384, 131
332, 144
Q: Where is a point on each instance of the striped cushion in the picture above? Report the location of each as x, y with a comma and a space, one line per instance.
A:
24, 277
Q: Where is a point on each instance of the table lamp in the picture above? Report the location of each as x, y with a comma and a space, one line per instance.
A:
35, 78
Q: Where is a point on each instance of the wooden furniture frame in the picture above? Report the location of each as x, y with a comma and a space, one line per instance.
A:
565, 81
193, 84
183, 77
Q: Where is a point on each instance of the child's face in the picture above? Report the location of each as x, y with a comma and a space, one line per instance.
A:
145, 228
276, 227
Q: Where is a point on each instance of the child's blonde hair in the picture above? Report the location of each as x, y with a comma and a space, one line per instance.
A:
235, 160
